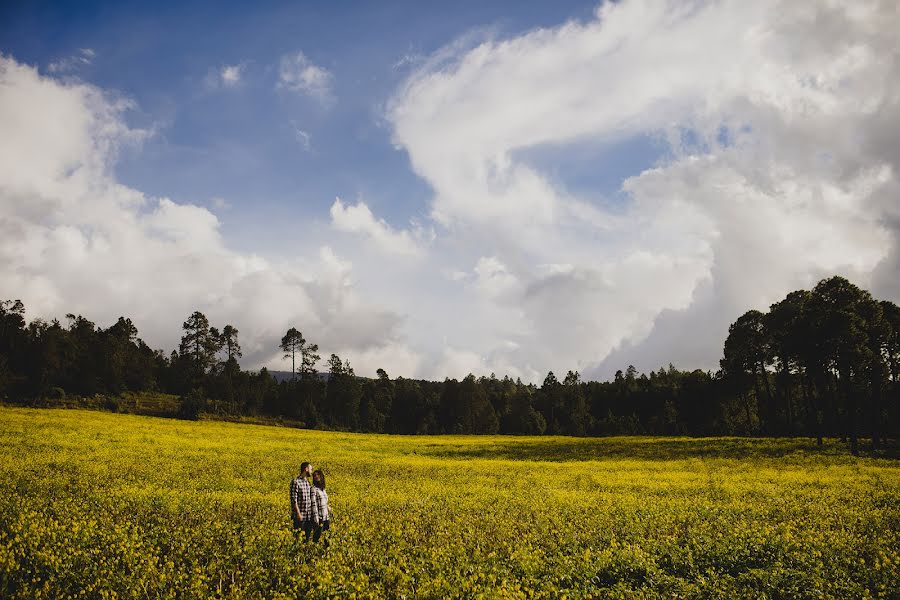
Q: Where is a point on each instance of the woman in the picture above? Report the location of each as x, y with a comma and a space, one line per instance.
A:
321, 498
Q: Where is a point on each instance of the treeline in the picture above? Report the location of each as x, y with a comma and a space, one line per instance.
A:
819, 363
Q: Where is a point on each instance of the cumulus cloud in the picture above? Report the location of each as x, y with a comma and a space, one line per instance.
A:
780, 122
297, 73
493, 279
72, 239
359, 219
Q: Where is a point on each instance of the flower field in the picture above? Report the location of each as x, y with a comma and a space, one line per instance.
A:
102, 505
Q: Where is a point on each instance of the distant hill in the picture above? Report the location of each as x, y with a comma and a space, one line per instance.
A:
280, 376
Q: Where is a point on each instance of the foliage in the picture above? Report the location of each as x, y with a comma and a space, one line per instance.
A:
102, 505
292, 344
821, 363
192, 405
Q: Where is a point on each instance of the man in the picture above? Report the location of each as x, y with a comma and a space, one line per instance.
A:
304, 510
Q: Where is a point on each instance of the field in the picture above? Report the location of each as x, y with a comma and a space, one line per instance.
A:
101, 505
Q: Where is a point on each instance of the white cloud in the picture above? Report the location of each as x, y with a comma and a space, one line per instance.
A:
780, 155
84, 57
298, 74
72, 239
779, 122
231, 75
359, 219
493, 279
304, 138
225, 77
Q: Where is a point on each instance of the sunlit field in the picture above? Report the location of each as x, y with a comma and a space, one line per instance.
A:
102, 505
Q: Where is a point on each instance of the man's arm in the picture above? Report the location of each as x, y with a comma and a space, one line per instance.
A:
295, 499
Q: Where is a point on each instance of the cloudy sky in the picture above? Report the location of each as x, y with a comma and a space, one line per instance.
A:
436, 191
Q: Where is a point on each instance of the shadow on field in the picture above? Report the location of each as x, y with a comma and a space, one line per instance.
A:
580, 449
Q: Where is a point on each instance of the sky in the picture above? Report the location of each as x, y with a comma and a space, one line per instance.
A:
506, 188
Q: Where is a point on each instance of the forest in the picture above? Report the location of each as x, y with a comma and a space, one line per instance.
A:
819, 363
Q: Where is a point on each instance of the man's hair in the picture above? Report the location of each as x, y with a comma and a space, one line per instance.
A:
303, 466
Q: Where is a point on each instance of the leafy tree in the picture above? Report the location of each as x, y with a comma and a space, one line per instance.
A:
309, 359
787, 325
294, 344
842, 348
574, 413
228, 340
199, 344
550, 403
13, 345
820, 362
521, 416
474, 411
343, 395
748, 349
376, 402
891, 314
408, 409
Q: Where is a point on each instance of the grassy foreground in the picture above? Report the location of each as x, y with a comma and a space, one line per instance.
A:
103, 505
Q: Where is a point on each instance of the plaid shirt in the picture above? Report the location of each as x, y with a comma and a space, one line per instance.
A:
302, 498
321, 503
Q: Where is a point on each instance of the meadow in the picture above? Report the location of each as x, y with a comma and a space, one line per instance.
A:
102, 505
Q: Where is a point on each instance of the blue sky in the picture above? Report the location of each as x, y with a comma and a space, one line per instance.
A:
240, 144
507, 187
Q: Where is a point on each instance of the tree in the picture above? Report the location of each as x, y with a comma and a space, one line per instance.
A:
891, 314
292, 344
892, 358
309, 358
574, 414
376, 402
875, 367
82, 370
837, 311
748, 350
522, 417
549, 403
475, 412
786, 323
343, 394
199, 344
408, 406
384, 393
13, 345
228, 340
120, 353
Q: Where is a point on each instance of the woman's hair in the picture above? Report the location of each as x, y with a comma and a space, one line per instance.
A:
319, 479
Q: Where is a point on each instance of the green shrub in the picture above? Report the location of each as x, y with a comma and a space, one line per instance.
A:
192, 405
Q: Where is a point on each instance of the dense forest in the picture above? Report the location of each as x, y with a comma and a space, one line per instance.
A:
819, 363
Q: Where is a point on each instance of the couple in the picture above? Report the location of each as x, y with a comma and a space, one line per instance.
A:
309, 504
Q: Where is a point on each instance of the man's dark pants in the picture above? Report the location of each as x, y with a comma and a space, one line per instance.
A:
307, 527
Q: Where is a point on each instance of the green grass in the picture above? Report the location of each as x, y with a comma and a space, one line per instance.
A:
95, 504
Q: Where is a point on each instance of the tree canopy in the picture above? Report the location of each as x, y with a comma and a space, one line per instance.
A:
820, 362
